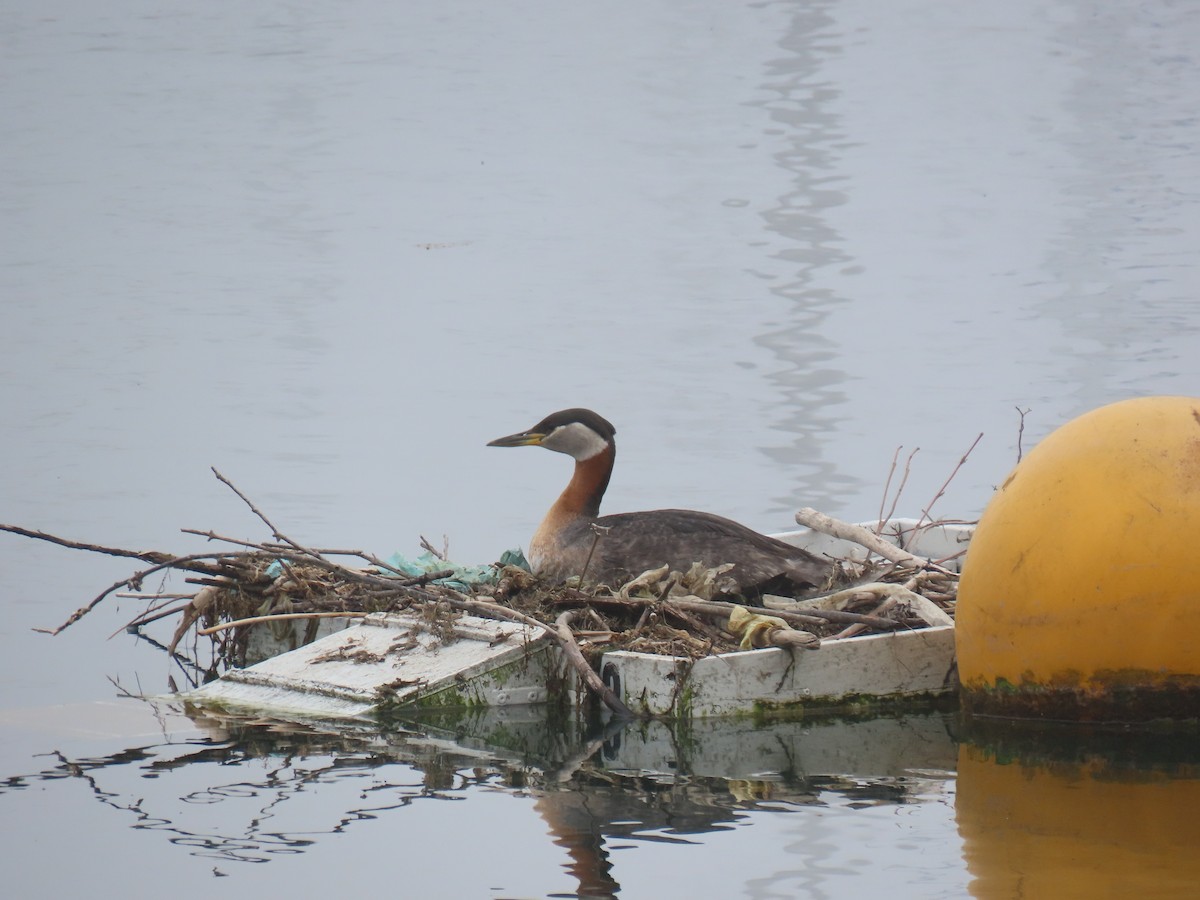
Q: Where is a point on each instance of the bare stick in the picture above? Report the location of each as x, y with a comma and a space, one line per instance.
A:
254, 509
560, 633
865, 537
886, 485
279, 617
84, 610
130, 595
597, 530
903, 482
275, 532
443, 554
641, 622
852, 630
562, 626
147, 617
922, 607
213, 536
1020, 429
946, 483
793, 639
150, 556
808, 618
277, 548
314, 557
645, 616
388, 567
135, 580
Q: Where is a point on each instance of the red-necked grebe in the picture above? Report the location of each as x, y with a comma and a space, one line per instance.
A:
638, 541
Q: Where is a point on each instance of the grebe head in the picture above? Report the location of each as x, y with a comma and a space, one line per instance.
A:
579, 433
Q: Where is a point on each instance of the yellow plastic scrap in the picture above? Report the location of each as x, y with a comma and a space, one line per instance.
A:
706, 583
751, 625
649, 582
699, 582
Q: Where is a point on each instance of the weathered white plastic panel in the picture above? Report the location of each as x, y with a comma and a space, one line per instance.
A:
393, 660
847, 671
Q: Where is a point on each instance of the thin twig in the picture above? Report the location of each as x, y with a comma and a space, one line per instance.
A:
900, 487
254, 509
150, 556
693, 622
279, 617
863, 536
443, 554
1020, 429
946, 483
671, 582
275, 532
886, 485
852, 630
146, 618
130, 595
213, 536
315, 558
597, 530
171, 562
641, 622
276, 549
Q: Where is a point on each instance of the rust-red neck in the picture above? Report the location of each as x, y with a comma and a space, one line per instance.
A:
588, 483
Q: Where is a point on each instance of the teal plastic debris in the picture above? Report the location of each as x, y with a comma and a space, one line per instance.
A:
515, 558
463, 578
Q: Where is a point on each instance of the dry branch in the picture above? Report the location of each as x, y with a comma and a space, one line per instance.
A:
279, 617
899, 489
566, 641
864, 537
949, 478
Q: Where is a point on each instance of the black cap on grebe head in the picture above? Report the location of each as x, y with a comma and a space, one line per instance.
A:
579, 433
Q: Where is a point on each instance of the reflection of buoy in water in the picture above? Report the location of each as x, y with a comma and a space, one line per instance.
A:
1082, 829
1080, 593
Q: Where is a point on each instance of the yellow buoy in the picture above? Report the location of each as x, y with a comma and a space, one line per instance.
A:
1080, 593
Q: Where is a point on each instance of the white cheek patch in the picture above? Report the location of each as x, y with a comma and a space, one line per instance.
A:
575, 440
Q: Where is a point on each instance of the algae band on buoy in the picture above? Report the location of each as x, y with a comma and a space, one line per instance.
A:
1080, 593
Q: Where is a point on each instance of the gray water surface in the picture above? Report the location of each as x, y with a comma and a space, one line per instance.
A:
334, 250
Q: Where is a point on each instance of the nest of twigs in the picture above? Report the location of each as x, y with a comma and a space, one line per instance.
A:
241, 585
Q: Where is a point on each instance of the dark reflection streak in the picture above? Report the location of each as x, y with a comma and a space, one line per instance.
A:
585, 804
280, 784
254, 843
182, 661
145, 821
806, 380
